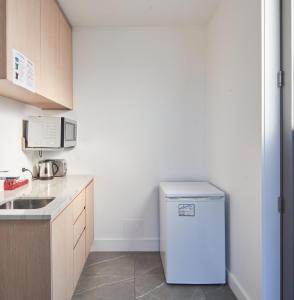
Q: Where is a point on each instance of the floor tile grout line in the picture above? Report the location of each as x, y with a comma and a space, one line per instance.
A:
150, 291
105, 261
103, 285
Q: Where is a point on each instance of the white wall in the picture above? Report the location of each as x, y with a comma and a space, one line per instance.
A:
12, 157
234, 134
140, 104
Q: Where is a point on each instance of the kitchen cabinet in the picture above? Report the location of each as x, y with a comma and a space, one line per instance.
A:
68, 238
38, 31
79, 257
62, 255
89, 216
79, 205
79, 227
65, 62
23, 33
49, 49
25, 260
44, 258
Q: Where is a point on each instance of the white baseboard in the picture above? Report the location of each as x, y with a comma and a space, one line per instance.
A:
107, 245
237, 288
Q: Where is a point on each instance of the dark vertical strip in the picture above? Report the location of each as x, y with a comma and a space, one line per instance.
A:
281, 150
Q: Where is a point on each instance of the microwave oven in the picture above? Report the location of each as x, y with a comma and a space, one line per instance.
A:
50, 132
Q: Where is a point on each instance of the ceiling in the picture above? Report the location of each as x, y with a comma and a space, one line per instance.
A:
138, 12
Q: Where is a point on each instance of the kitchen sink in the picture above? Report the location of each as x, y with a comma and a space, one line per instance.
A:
27, 203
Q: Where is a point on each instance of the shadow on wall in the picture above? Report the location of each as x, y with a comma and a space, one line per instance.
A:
152, 208
227, 224
227, 206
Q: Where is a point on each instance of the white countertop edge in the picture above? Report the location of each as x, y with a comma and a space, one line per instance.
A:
65, 190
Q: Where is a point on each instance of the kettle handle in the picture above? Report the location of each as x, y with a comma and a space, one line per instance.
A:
56, 168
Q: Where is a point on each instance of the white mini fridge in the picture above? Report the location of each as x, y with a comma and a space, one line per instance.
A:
192, 233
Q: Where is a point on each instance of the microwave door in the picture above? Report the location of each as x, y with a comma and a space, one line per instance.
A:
70, 133
44, 132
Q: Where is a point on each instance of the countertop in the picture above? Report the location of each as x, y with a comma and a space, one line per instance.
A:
64, 189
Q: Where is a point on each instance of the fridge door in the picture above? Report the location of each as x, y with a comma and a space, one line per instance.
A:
195, 241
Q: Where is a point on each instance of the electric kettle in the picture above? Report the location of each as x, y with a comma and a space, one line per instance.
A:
47, 169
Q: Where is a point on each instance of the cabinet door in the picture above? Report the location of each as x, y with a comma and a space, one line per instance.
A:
79, 258
65, 87
89, 217
62, 255
23, 33
49, 50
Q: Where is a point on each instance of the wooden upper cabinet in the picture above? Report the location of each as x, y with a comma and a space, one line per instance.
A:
65, 62
23, 33
56, 54
49, 49
38, 30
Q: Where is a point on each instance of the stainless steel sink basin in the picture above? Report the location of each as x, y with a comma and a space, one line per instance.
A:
27, 203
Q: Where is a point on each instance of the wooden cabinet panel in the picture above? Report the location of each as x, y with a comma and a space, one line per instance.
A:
79, 204
39, 259
49, 49
56, 55
79, 227
23, 33
79, 258
38, 30
62, 255
65, 62
3, 49
89, 216
25, 260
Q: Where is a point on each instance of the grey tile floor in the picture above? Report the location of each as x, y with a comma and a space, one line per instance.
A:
129, 276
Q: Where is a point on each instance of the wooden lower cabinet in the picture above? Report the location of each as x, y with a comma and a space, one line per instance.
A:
62, 255
79, 227
89, 216
25, 271
79, 257
79, 204
40, 259
69, 233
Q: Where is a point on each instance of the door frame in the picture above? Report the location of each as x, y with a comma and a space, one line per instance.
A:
287, 153
271, 151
